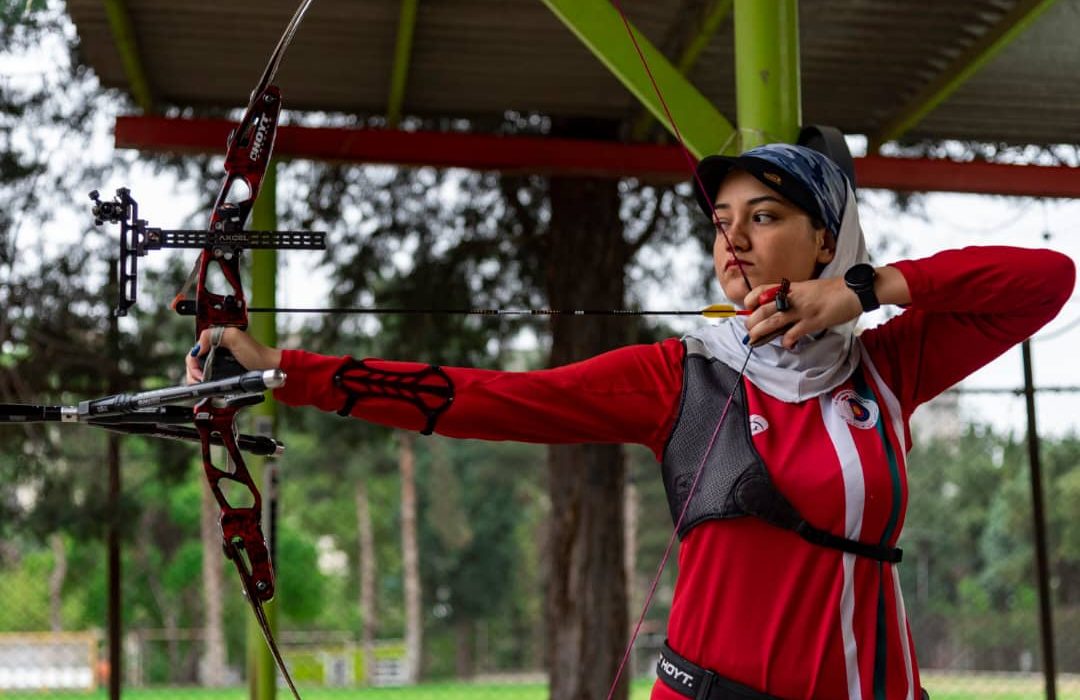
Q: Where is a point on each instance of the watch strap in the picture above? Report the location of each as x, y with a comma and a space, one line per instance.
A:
860, 279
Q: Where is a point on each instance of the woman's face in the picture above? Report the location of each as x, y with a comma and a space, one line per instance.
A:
769, 236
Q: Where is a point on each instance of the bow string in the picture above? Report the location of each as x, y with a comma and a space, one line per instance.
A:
710, 197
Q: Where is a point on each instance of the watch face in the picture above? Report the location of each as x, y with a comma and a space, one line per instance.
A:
861, 275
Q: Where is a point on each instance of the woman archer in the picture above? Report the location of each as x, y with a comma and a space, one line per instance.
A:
781, 435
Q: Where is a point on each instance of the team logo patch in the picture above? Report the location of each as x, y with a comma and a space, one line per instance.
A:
758, 424
855, 410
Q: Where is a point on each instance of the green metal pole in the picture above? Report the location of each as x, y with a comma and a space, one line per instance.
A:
123, 31
599, 27
263, 327
717, 13
767, 82
262, 672
399, 76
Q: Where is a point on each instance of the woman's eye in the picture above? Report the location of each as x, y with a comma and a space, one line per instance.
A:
763, 217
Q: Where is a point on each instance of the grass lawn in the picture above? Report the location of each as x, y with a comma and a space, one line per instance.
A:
995, 686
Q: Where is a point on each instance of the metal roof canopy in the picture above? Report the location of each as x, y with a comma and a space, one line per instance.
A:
596, 23
989, 70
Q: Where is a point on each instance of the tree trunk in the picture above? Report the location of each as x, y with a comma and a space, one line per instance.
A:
56, 583
630, 542
144, 544
464, 659
213, 664
170, 619
368, 610
586, 613
414, 623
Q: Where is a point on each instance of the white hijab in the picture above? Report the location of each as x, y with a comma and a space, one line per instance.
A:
817, 364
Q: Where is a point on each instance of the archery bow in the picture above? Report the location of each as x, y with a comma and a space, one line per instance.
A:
246, 161
228, 386
248, 155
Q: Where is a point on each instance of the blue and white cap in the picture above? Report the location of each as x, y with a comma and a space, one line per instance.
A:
803, 176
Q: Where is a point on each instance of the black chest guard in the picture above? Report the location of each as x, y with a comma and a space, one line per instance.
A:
734, 481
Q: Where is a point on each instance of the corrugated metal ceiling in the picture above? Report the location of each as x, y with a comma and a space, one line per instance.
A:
861, 60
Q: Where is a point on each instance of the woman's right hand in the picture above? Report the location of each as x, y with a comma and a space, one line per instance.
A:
247, 351
812, 306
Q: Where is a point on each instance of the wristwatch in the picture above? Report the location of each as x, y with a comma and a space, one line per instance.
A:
860, 279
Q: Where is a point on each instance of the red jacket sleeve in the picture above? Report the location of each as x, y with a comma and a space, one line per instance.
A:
628, 395
968, 306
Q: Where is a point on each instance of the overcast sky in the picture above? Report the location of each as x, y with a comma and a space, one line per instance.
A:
955, 221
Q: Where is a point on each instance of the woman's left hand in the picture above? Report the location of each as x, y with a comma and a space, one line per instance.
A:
813, 306
247, 351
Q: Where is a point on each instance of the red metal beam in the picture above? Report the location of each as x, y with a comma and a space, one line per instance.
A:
978, 177
553, 156
527, 154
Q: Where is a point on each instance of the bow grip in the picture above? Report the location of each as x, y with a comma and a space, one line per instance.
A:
224, 365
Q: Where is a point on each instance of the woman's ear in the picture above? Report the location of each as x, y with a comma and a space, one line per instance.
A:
826, 245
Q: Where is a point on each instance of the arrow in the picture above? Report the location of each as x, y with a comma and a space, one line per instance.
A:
711, 311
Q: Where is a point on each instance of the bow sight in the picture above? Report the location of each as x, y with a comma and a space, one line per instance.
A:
224, 243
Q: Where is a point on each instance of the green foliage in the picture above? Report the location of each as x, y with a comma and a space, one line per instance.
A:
27, 585
469, 543
1060, 460
482, 505
184, 568
969, 571
482, 509
973, 596
16, 11
301, 585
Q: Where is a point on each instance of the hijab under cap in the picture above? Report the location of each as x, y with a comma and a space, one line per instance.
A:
805, 177
819, 363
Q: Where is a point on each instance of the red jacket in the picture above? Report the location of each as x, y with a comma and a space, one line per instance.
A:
753, 602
